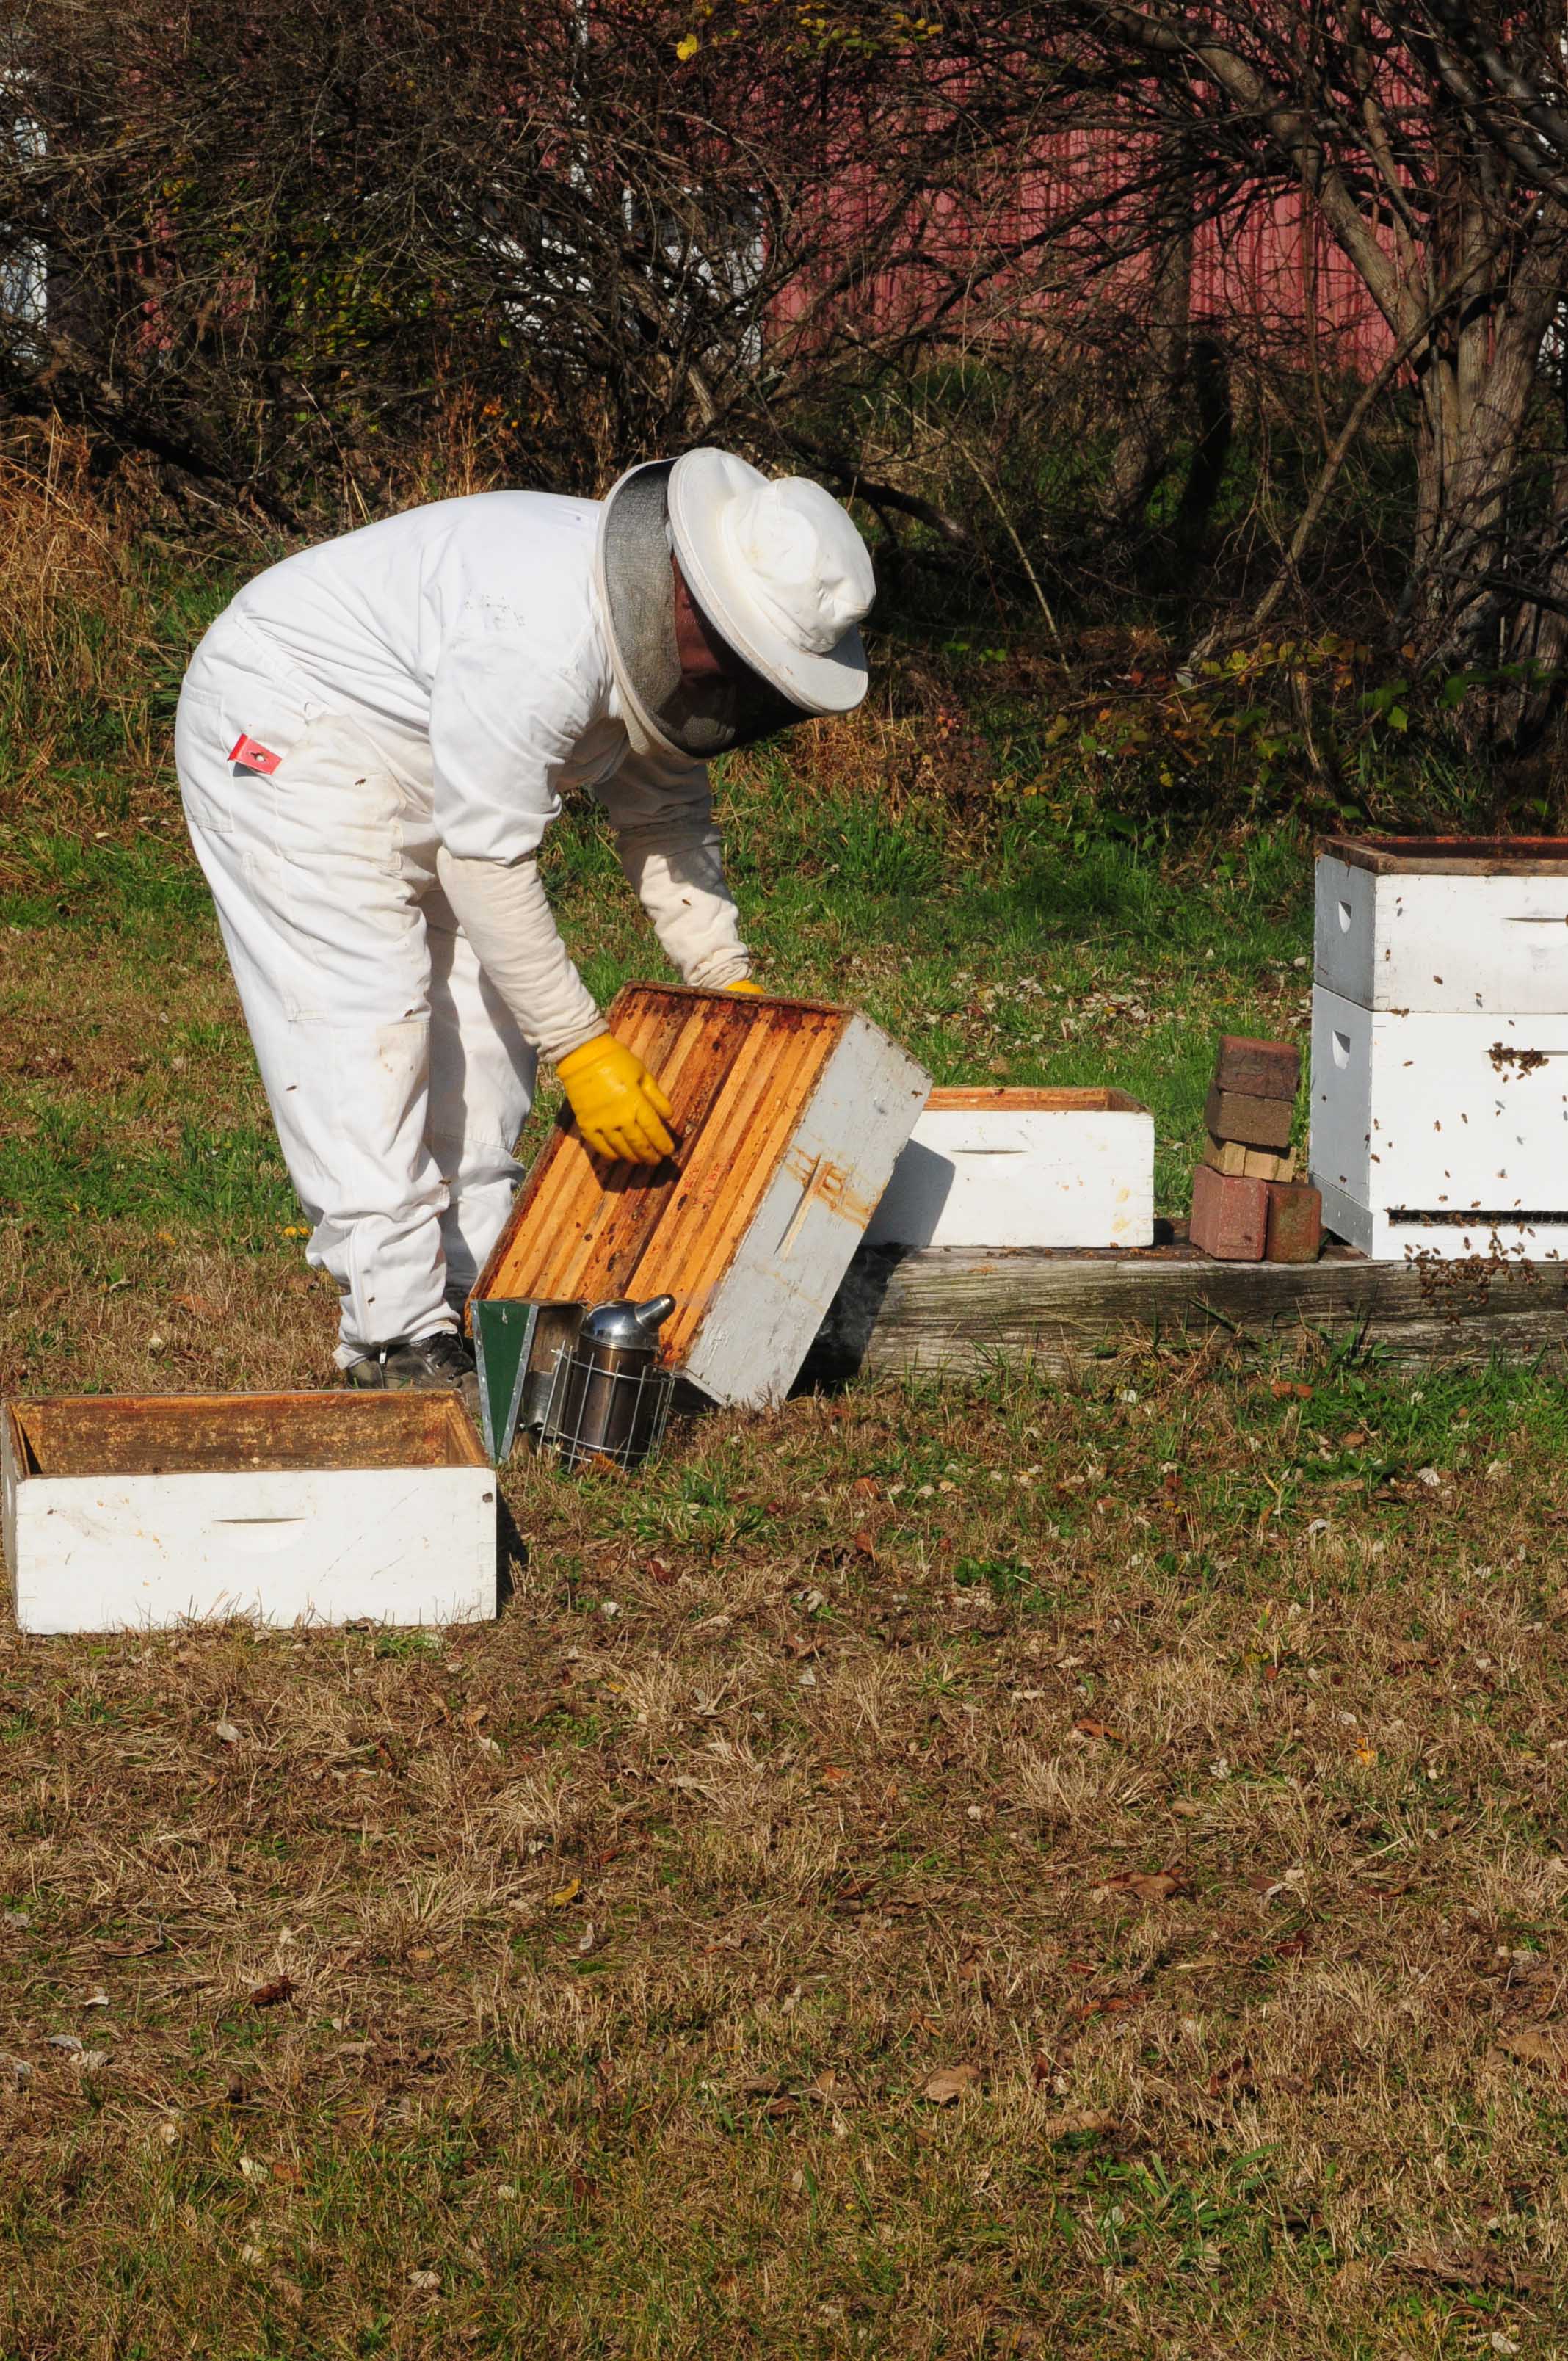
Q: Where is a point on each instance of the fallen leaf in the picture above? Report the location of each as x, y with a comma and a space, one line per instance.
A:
425, 2282
833, 1774
225, 1734
564, 1893
197, 1306
1096, 1729
1237, 2073
1538, 2045
950, 2083
1156, 1885
864, 1543
17, 1918
1472, 2269
1284, 1390
659, 1570
829, 2087
65, 2041
286, 2170
269, 1995
1074, 2120
253, 2169
96, 2000
867, 1487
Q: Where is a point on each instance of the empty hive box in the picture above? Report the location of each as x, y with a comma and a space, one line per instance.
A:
1022, 1167
788, 1115
1440, 1045
285, 1507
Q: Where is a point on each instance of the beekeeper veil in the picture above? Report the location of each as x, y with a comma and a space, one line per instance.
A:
782, 578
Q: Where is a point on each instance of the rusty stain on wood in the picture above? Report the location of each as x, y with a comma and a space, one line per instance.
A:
167, 1434
740, 1073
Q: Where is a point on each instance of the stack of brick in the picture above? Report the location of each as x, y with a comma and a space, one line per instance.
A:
1247, 1205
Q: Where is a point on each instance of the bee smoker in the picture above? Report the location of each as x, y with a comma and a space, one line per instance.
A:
611, 1394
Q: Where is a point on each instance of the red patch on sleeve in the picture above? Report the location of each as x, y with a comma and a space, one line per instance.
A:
252, 756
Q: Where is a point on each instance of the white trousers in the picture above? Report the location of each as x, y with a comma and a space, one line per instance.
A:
397, 1077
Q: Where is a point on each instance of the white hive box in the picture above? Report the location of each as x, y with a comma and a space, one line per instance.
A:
284, 1507
1022, 1167
1444, 924
1440, 1046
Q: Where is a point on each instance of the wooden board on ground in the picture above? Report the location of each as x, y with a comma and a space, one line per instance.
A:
962, 1312
789, 1115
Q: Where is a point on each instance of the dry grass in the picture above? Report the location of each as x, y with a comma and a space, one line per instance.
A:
572, 1984
72, 615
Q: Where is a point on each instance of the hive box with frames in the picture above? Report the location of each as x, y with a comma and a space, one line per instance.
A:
788, 1117
1440, 1045
323, 1508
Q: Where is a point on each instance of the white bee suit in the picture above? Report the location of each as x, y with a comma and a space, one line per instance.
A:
431, 687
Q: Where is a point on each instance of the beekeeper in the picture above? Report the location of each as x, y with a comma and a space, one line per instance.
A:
371, 742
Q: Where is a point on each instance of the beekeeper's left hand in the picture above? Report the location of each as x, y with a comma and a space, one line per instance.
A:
620, 1110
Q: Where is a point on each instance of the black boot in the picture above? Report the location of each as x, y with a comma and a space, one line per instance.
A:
434, 1364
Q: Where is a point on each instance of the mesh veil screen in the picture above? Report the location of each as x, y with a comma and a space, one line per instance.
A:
734, 708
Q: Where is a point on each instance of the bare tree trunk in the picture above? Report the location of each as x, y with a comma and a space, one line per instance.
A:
1478, 384
1144, 451
1539, 639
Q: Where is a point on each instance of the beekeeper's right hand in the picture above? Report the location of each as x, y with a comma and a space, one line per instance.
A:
620, 1110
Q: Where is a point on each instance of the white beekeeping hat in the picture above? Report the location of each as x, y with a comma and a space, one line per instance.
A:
780, 576
779, 572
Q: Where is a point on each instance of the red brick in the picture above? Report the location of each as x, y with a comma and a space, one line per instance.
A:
1230, 1216
1259, 1069
1257, 1123
1295, 1222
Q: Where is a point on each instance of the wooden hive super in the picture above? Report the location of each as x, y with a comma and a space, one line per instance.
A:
323, 1508
789, 1115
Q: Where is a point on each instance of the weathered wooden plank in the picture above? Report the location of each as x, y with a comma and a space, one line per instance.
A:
957, 1310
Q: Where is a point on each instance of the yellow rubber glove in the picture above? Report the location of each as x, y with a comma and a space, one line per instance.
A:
745, 984
620, 1110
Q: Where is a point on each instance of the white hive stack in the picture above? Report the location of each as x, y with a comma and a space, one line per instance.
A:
1440, 1045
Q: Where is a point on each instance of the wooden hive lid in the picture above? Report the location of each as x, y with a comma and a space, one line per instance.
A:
739, 1072
1451, 856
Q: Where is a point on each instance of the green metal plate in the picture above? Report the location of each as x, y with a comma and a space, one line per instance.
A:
503, 1338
